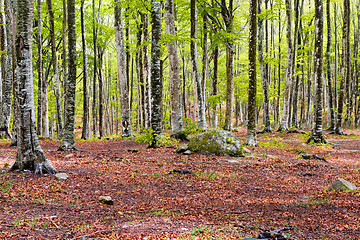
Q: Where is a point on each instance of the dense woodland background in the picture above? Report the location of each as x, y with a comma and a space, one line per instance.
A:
210, 40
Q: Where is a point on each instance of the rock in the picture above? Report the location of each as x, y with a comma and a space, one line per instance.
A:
218, 142
187, 152
342, 185
106, 200
74, 195
61, 176
182, 148
304, 199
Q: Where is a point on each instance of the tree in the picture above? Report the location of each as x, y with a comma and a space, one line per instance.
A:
156, 82
123, 82
264, 73
68, 141
251, 126
193, 48
316, 134
86, 131
29, 156
345, 66
176, 108
59, 120
6, 75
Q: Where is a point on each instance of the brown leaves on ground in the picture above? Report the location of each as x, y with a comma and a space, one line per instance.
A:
222, 198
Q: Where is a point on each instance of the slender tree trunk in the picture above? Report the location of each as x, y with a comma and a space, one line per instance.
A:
264, 74
94, 108
345, 61
6, 75
194, 60
156, 82
64, 58
284, 126
123, 82
29, 155
59, 120
328, 67
68, 141
251, 127
176, 108
214, 84
147, 97
317, 134
100, 56
86, 130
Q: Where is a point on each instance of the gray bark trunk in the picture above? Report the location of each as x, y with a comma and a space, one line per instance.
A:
264, 75
68, 141
6, 75
194, 60
86, 131
94, 109
328, 67
317, 134
123, 83
251, 126
284, 125
345, 62
29, 155
176, 107
156, 82
147, 104
57, 93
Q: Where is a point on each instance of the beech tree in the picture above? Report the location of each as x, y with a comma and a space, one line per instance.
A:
156, 82
68, 141
251, 126
123, 81
30, 154
176, 104
317, 134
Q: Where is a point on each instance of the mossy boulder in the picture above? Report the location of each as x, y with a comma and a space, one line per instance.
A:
218, 142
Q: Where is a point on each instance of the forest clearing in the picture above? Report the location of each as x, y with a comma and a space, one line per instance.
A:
221, 198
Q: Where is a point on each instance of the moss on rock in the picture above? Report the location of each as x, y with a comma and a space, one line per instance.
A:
218, 142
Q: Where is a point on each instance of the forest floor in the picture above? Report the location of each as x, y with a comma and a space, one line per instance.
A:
222, 198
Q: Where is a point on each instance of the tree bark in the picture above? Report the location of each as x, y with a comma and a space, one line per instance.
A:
29, 155
251, 126
6, 75
156, 82
345, 62
194, 60
317, 134
176, 108
147, 93
264, 74
123, 83
94, 108
68, 141
59, 120
328, 67
86, 130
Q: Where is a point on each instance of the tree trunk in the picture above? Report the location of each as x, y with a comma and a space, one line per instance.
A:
194, 60
317, 134
251, 126
284, 126
30, 155
94, 108
6, 75
68, 141
86, 130
147, 93
214, 85
176, 108
156, 82
345, 62
59, 119
100, 56
328, 67
264, 75
123, 83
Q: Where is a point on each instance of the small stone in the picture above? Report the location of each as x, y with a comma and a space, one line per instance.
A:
106, 200
304, 199
342, 185
182, 148
74, 195
187, 152
61, 176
